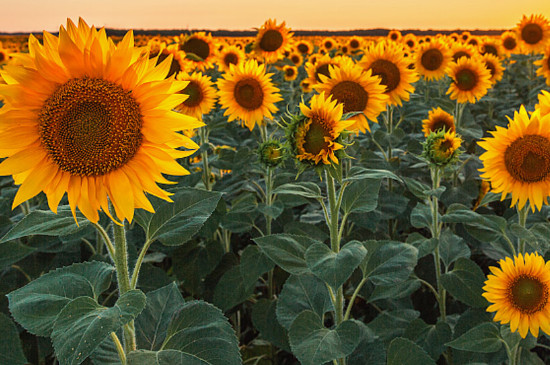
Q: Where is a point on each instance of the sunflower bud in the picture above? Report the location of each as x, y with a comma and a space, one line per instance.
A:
441, 148
271, 153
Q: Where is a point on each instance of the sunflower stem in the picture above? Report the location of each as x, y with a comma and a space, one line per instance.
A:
123, 279
268, 202
137, 266
203, 140
119, 348
436, 233
389, 128
522, 220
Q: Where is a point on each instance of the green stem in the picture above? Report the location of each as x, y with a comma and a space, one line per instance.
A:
269, 202
119, 348
137, 267
106, 239
436, 233
352, 300
522, 220
203, 140
123, 279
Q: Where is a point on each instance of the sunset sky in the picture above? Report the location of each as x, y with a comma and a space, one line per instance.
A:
33, 16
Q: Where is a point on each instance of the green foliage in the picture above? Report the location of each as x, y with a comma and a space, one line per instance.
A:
11, 351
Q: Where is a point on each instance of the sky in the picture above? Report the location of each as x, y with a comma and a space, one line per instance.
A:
38, 15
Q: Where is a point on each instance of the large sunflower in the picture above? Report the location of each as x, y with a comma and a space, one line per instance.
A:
438, 120
272, 40
432, 59
544, 65
200, 50
314, 136
388, 62
248, 93
91, 119
471, 80
534, 32
201, 92
518, 292
460, 50
517, 159
358, 90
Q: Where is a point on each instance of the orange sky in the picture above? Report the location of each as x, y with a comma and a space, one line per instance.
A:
37, 15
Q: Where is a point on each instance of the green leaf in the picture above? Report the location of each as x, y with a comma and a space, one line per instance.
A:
165, 357
306, 189
300, 293
306, 229
360, 173
36, 305
314, 344
83, 324
431, 338
238, 284
388, 262
421, 216
11, 252
201, 331
483, 338
395, 291
273, 211
11, 351
403, 351
371, 353
361, 196
175, 223
287, 251
46, 223
390, 324
465, 283
452, 247
334, 268
152, 323
264, 318
416, 187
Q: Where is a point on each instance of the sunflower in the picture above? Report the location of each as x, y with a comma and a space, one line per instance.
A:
358, 90
409, 40
544, 65
534, 32
4, 56
517, 159
94, 120
471, 80
518, 293
328, 44
474, 41
314, 135
543, 107
296, 58
355, 43
229, 55
304, 46
318, 65
509, 42
442, 147
438, 120
389, 63
290, 72
248, 93
491, 46
464, 36
201, 92
492, 63
200, 50
460, 50
432, 59
394, 35
306, 86
177, 63
272, 41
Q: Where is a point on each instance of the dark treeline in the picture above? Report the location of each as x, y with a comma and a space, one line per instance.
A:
324, 33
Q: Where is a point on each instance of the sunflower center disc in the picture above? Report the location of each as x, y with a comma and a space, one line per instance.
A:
440, 124
460, 54
354, 44
352, 95
249, 94
388, 72
491, 68
302, 48
315, 136
466, 79
432, 59
509, 43
527, 159
322, 70
90, 127
271, 41
195, 94
197, 46
528, 294
230, 58
289, 72
531, 33
489, 48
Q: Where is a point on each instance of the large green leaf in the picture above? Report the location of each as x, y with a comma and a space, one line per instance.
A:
238, 284
452, 247
388, 262
304, 189
403, 351
36, 305
200, 330
361, 196
264, 318
175, 223
360, 173
11, 252
46, 223
465, 283
287, 250
152, 323
165, 357
431, 338
312, 343
11, 351
483, 338
334, 268
83, 324
300, 293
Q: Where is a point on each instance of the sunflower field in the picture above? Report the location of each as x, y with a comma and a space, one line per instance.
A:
277, 199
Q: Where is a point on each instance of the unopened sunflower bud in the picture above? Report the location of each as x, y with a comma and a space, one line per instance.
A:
271, 153
441, 148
